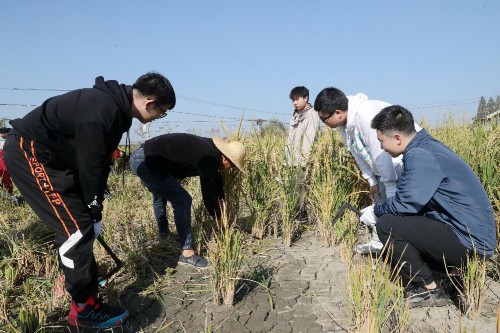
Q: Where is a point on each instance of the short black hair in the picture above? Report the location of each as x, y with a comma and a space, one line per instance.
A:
392, 119
4, 130
331, 99
155, 86
299, 91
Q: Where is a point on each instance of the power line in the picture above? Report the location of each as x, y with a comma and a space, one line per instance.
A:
444, 104
196, 121
229, 106
187, 98
35, 89
15, 104
219, 118
418, 106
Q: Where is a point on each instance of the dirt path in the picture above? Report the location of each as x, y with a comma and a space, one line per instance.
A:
308, 289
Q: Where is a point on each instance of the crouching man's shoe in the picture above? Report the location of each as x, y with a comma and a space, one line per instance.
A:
96, 314
368, 248
422, 297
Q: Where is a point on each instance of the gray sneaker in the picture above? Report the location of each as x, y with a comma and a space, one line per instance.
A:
423, 297
367, 248
194, 261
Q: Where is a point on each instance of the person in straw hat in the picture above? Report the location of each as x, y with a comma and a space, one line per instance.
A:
163, 160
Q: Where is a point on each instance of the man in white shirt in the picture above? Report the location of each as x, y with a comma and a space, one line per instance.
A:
352, 116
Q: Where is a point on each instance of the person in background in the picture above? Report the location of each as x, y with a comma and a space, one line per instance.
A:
118, 160
161, 161
302, 134
58, 156
3, 135
440, 212
6, 182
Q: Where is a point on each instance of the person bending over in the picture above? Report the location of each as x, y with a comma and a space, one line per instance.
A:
161, 161
58, 156
352, 116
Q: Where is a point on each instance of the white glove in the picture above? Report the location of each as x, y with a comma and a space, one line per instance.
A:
97, 229
368, 216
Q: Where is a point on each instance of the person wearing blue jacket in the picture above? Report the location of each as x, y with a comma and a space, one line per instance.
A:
440, 212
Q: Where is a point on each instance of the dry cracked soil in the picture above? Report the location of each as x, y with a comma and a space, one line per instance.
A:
306, 292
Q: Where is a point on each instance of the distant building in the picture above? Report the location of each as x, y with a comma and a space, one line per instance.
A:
489, 118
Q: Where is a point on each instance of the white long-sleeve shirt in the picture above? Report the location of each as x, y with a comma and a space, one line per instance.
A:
362, 142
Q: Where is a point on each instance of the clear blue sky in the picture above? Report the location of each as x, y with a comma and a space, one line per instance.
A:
430, 56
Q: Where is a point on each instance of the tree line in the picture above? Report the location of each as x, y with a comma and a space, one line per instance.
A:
486, 108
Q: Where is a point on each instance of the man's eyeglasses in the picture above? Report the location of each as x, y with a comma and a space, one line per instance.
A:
326, 118
163, 112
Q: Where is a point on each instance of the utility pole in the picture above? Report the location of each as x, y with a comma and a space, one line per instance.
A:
145, 130
260, 123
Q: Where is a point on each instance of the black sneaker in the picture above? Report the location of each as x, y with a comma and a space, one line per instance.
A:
96, 315
422, 297
194, 261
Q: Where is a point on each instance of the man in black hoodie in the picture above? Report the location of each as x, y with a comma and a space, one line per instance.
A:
58, 156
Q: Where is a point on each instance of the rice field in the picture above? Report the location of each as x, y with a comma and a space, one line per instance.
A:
261, 204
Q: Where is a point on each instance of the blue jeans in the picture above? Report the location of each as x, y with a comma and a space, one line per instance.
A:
166, 188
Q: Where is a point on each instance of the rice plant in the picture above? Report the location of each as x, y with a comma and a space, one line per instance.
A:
290, 182
261, 184
232, 178
262, 199
324, 202
330, 186
374, 301
225, 255
471, 285
335, 179
34, 314
202, 223
275, 202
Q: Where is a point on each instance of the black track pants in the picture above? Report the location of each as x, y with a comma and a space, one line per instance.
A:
55, 196
420, 243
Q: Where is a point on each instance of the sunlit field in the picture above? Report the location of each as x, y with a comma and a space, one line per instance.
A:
261, 204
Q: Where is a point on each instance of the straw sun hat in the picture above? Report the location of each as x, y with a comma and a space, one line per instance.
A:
234, 151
